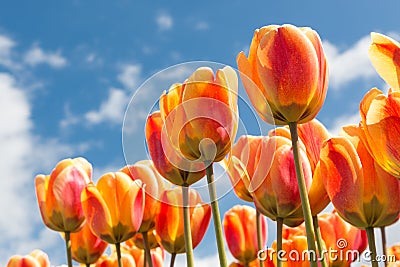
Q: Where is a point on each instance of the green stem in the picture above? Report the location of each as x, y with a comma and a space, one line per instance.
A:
279, 229
318, 236
68, 248
372, 246
303, 195
118, 249
216, 216
187, 229
384, 248
172, 262
87, 264
259, 233
147, 250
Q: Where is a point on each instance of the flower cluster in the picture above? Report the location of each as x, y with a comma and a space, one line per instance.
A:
290, 175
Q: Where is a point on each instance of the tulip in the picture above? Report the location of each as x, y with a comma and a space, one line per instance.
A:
36, 258
58, 194
292, 253
341, 237
394, 252
111, 261
137, 240
384, 53
285, 74
86, 247
138, 254
114, 208
380, 122
362, 193
169, 221
198, 133
241, 233
157, 258
173, 168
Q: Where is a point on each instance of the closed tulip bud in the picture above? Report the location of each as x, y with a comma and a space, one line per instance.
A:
384, 53
285, 74
86, 247
137, 240
154, 186
157, 258
36, 258
362, 193
114, 207
241, 233
293, 252
169, 221
380, 122
58, 194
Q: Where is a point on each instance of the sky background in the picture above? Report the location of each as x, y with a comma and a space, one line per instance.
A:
68, 70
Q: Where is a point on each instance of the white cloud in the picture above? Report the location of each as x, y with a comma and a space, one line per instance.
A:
36, 56
164, 21
111, 110
130, 75
6, 52
202, 26
339, 122
350, 64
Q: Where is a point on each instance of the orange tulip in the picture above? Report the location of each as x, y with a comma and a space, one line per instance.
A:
86, 248
59, 194
312, 135
114, 207
242, 163
343, 238
157, 253
241, 233
255, 263
362, 193
169, 222
112, 261
380, 117
36, 258
157, 257
292, 253
137, 240
384, 53
196, 133
275, 193
394, 251
154, 186
173, 168
285, 74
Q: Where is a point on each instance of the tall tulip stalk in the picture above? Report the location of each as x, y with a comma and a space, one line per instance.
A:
286, 77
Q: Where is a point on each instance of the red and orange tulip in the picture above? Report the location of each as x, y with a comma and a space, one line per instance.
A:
362, 193
175, 169
195, 133
114, 207
86, 247
241, 233
36, 258
380, 122
154, 187
59, 194
384, 53
341, 237
111, 261
285, 74
157, 258
169, 222
292, 254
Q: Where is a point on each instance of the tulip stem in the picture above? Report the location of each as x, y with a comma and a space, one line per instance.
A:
68, 247
187, 229
279, 229
87, 264
259, 233
215, 213
384, 248
372, 246
118, 249
318, 236
147, 251
172, 262
305, 204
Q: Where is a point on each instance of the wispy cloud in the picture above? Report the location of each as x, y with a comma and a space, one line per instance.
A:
201, 26
6, 52
164, 21
130, 75
349, 64
37, 55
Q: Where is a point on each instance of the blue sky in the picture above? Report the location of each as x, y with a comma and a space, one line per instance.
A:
69, 68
